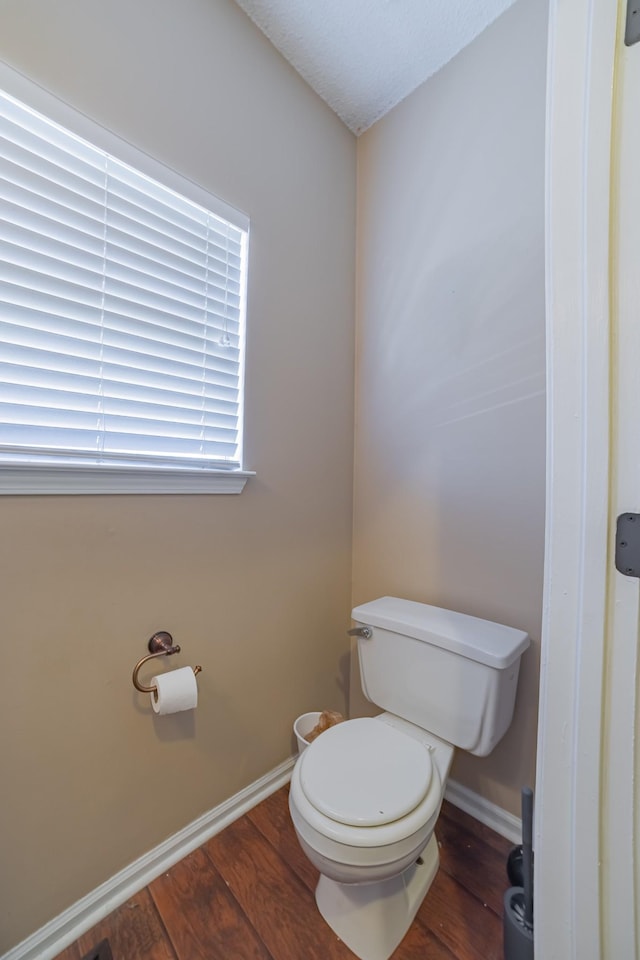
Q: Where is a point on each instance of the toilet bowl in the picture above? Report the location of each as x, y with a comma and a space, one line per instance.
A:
364, 800
366, 794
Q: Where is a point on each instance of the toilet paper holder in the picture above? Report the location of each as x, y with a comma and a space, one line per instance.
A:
161, 645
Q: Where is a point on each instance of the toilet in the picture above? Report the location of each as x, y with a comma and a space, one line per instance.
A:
366, 794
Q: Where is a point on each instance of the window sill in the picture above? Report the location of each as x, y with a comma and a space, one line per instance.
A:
39, 479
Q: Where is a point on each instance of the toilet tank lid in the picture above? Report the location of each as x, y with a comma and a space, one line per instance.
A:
481, 640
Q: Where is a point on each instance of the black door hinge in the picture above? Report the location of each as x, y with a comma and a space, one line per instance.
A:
628, 544
632, 31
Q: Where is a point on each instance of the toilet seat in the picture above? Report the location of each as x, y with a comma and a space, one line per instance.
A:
362, 773
334, 838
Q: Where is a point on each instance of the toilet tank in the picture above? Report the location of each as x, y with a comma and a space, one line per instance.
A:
449, 673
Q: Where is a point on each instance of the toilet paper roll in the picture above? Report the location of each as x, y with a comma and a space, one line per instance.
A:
177, 690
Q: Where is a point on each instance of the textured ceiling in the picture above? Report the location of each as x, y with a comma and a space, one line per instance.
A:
365, 56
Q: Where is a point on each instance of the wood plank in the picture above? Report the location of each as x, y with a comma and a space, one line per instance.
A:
470, 930
480, 830
279, 905
421, 944
273, 820
134, 930
202, 919
476, 865
99, 951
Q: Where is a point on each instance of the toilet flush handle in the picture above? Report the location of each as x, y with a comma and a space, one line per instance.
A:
364, 632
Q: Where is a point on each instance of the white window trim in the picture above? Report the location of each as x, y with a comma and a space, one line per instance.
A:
38, 479
44, 479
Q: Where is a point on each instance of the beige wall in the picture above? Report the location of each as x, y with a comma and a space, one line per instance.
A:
449, 455
254, 587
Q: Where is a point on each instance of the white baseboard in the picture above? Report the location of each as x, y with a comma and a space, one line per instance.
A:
504, 823
51, 939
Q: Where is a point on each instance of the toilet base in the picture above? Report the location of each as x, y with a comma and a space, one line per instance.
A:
372, 918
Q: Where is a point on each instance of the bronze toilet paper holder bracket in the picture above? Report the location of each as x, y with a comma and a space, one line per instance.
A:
161, 645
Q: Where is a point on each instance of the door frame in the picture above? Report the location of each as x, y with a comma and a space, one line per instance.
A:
568, 882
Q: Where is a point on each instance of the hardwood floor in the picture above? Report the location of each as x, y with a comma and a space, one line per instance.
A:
248, 894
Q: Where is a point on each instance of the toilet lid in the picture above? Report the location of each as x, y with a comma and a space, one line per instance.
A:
365, 773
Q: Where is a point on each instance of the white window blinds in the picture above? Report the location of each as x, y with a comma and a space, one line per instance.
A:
121, 310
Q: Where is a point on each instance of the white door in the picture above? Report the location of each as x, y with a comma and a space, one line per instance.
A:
621, 754
587, 884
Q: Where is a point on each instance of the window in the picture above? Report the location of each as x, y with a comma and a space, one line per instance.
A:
122, 290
